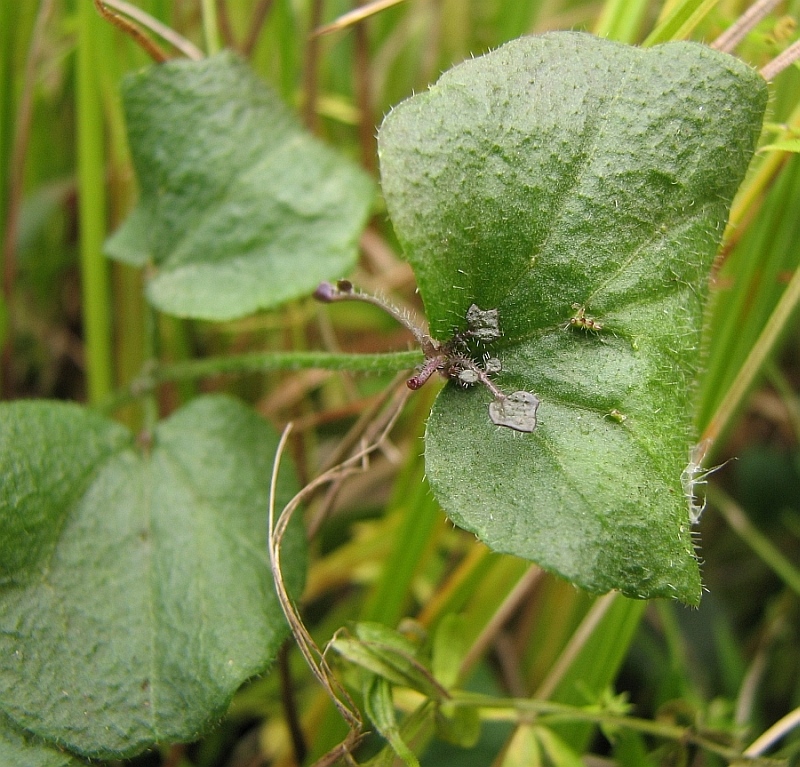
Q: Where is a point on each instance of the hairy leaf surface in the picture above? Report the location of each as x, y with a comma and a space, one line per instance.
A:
135, 592
240, 208
18, 748
580, 187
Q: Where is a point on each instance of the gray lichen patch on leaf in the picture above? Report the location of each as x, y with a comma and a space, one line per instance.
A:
484, 325
516, 411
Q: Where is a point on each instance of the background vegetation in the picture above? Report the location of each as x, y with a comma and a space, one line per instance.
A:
74, 326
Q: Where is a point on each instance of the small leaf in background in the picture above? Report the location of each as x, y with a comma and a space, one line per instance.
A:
379, 706
450, 645
240, 208
567, 171
458, 725
388, 654
135, 590
790, 145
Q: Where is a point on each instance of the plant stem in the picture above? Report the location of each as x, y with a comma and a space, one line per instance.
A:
549, 713
260, 362
187, 48
19, 150
95, 290
210, 30
310, 66
256, 25
737, 31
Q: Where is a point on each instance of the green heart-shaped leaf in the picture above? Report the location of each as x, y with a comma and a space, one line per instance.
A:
135, 591
579, 187
240, 208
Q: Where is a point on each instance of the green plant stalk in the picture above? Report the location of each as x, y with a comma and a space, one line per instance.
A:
621, 20
548, 713
129, 304
95, 289
210, 27
8, 30
259, 362
767, 341
680, 22
750, 534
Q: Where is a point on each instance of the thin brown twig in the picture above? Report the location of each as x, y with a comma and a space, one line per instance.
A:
576, 643
310, 73
500, 618
782, 61
256, 24
358, 432
277, 528
179, 42
737, 31
19, 150
366, 123
354, 16
225, 26
142, 40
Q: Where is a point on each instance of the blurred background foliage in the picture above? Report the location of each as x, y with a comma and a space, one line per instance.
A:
74, 326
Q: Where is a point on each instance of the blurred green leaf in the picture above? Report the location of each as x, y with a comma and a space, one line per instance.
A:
388, 654
790, 145
458, 725
135, 591
240, 209
379, 706
557, 172
559, 754
450, 645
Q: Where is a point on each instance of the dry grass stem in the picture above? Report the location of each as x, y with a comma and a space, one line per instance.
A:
186, 47
314, 657
355, 16
737, 31
153, 50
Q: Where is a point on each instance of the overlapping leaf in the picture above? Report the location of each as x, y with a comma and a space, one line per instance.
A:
240, 208
135, 592
559, 178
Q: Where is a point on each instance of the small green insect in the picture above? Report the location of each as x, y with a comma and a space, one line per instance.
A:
582, 321
616, 416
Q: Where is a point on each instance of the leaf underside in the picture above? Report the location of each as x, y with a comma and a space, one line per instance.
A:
240, 208
135, 591
560, 177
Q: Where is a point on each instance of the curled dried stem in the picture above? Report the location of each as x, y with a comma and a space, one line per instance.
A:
277, 526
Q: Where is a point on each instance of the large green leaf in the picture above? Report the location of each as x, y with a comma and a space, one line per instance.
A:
18, 748
240, 208
567, 171
135, 592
